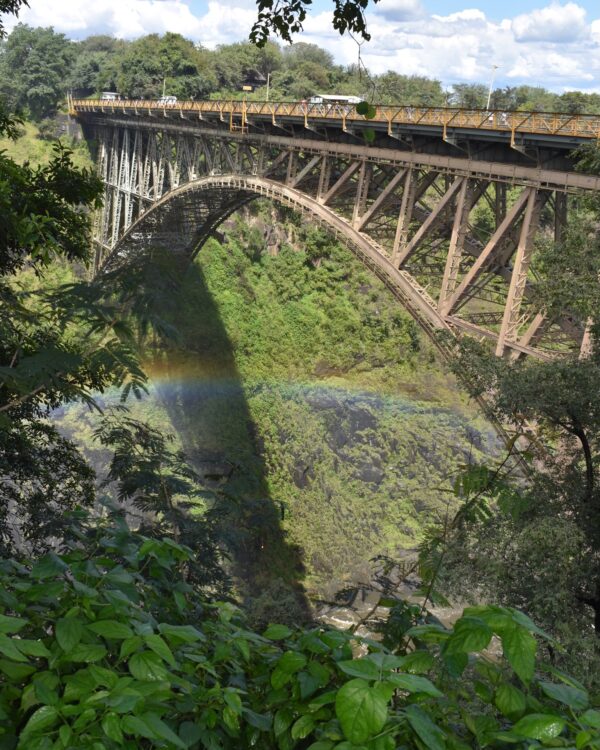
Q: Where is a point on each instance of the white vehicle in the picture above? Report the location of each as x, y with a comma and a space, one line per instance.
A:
110, 96
334, 99
167, 100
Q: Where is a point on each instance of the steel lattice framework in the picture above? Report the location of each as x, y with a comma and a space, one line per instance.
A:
450, 224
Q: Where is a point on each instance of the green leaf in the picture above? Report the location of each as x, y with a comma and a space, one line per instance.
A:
303, 727
291, 662
111, 629
86, 653
11, 624
183, 633
470, 634
591, 718
519, 648
418, 662
111, 726
361, 710
190, 733
32, 648
413, 683
582, 739
277, 632
283, 719
570, 696
362, 108
45, 694
68, 632
147, 666
539, 726
510, 700
8, 648
156, 643
15, 671
426, 730
321, 745
43, 718
130, 645
65, 733
48, 566
136, 726
233, 700
364, 668
161, 729
259, 721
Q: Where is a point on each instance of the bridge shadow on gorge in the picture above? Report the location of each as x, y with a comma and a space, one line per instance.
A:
193, 369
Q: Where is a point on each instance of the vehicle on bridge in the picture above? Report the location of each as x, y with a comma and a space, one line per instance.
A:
327, 104
168, 100
110, 96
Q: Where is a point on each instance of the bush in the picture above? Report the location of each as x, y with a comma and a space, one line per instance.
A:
106, 646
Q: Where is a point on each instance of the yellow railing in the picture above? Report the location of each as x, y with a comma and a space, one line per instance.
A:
238, 114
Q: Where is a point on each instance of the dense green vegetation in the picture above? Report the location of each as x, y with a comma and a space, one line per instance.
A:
107, 646
39, 66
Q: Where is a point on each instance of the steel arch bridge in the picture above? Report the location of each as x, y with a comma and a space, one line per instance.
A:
445, 206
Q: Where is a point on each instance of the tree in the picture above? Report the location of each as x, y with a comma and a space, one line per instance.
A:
393, 88
144, 67
94, 59
468, 95
33, 69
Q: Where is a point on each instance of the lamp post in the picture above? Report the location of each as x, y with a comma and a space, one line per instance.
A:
268, 82
489, 99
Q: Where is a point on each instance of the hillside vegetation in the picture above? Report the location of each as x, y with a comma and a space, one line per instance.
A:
296, 375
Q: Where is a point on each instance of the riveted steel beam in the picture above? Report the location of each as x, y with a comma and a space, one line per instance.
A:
341, 181
432, 221
511, 320
490, 249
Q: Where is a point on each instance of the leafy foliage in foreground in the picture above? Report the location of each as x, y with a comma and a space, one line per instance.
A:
106, 646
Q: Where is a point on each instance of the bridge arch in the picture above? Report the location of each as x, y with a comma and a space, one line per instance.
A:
184, 218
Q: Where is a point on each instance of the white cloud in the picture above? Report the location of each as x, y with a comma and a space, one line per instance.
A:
555, 23
128, 19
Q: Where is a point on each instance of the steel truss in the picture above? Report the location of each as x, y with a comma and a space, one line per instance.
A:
448, 237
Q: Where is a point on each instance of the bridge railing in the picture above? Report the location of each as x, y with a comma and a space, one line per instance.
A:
240, 113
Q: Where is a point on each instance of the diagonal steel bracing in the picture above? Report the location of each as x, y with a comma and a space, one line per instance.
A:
413, 211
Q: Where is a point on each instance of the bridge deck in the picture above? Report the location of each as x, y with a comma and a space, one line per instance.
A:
560, 129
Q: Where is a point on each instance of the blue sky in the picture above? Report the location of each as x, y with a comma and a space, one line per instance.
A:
555, 44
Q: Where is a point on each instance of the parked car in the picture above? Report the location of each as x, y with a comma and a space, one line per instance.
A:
167, 100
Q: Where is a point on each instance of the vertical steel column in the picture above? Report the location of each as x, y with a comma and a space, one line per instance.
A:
511, 320
457, 242
407, 206
292, 168
362, 191
324, 178
560, 215
499, 202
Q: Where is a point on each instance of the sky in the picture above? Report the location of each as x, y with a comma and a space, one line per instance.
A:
555, 44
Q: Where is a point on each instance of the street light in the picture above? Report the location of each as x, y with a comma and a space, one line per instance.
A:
268, 81
489, 99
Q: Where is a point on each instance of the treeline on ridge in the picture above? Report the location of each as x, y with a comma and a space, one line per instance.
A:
38, 66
